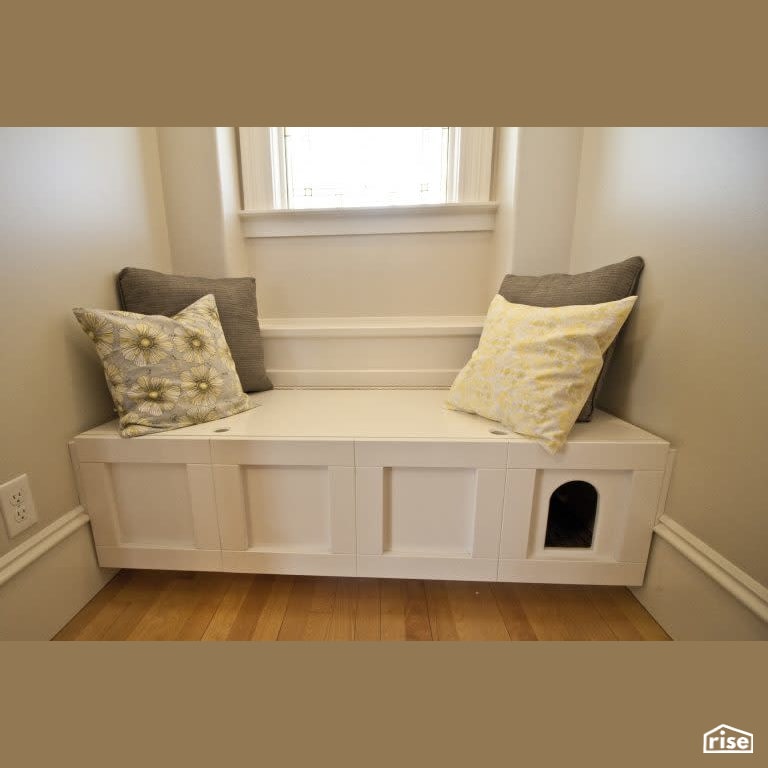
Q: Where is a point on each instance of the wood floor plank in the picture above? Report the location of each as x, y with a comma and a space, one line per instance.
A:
90, 611
392, 610
226, 613
475, 612
582, 618
126, 608
297, 610
251, 608
441, 621
541, 611
368, 617
643, 622
320, 608
404, 612
309, 609
143, 590
611, 611
562, 612
166, 616
416, 612
512, 613
271, 619
211, 590
344, 615
154, 605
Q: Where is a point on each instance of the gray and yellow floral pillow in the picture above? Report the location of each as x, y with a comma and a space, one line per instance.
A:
165, 372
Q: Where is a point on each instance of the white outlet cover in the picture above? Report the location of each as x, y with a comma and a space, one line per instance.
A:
17, 505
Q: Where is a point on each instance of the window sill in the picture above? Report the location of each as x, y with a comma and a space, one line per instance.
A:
449, 217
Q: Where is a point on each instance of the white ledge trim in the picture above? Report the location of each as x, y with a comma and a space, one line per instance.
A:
411, 378
36, 546
396, 219
743, 587
389, 327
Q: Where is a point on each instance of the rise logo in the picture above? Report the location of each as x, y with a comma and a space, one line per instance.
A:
726, 739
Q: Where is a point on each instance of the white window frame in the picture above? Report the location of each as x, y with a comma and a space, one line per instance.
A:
265, 205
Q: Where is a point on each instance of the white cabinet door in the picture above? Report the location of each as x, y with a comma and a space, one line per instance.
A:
286, 506
151, 503
429, 509
605, 541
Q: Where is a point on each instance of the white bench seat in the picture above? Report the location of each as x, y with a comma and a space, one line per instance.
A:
369, 483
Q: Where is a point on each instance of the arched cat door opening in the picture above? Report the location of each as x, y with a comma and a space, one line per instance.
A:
571, 517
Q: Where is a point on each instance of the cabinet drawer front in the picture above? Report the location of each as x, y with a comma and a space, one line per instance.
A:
419, 453
143, 450
322, 453
598, 455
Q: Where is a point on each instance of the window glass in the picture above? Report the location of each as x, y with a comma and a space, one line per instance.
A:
352, 167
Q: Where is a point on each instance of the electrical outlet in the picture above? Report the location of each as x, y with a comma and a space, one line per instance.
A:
17, 505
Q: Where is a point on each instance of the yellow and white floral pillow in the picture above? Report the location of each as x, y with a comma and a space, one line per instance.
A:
535, 366
165, 372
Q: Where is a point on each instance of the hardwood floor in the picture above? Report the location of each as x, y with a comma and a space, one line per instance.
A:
167, 605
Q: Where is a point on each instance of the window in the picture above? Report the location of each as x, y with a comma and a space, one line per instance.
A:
351, 170
353, 167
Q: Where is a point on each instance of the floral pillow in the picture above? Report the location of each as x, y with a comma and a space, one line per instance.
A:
535, 366
165, 372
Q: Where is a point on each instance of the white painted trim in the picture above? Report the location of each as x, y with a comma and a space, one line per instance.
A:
164, 558
279, 170
475, 159
431, 566
740, 585
36, 546
412, 352
48, 578
670, 465
396, 219
355, 379
255, 155
351, 327
571, 572
315, 564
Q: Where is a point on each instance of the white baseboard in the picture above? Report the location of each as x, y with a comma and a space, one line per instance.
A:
368, 351
697, 594
47, 579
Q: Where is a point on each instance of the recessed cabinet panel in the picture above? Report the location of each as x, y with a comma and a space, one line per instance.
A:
287, 518
428, 510
288, 508
428, 522
153, 504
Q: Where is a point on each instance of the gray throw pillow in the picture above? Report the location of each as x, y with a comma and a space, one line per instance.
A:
609, 283
154, 293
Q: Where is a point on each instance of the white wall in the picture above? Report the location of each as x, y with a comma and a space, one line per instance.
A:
377, 275
202, 200
371, 275
76, 205
447, 273
536, 182
693, 366
390, 276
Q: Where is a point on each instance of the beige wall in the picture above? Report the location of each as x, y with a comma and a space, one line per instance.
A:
202, 200
694, 363
76, 205
446, 273
536, 179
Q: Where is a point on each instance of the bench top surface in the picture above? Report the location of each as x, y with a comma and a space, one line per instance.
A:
373, 414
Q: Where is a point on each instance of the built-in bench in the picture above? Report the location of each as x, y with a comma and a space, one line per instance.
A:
385, 483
